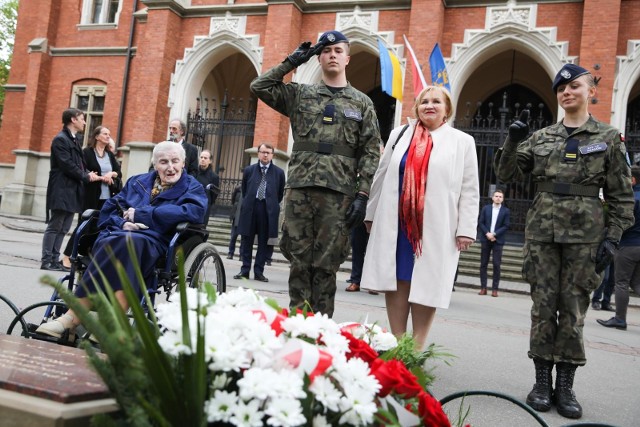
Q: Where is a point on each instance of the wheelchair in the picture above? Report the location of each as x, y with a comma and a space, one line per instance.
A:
202, 264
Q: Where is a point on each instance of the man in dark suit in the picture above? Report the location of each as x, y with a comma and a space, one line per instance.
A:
493, 224
262, 191
177, 132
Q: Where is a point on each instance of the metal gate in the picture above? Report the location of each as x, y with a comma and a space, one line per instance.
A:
488, 124
227, 131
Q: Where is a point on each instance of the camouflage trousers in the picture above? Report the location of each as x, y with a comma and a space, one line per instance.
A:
316, 241
562, 277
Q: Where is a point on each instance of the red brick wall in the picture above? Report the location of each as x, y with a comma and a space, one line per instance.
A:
32, 118
598, 47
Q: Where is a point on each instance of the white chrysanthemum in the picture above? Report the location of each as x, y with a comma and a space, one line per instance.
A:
220, 381
171, 343
221, 406
383, 341
355, 379
259, 383
336, 345
357, 411
247, 414
320, 421
284, 412
312, 327
326, 393
235, 337
239, 298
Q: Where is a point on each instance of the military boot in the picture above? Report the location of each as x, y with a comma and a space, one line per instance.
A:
564, 397
540, 397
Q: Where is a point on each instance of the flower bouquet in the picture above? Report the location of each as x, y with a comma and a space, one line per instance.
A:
239, 359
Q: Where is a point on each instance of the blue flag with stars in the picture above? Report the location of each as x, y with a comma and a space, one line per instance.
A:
439, 75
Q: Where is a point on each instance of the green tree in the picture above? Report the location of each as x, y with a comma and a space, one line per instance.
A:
8, 18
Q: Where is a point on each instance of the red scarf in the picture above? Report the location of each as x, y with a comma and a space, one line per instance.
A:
414, 186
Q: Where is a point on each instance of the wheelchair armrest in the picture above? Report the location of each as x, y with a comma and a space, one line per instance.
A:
183, 226
90, 213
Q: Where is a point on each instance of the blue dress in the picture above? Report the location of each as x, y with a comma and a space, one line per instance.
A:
404, 251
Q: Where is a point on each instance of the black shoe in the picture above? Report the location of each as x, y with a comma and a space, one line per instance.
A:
268, 263
260, 278
60, 267
605, 306
241, 276
52, 266
230, 256
595, 305
614, 322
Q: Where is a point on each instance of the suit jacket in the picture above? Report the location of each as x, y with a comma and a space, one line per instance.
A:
191, 161
502, 223
67, 176
93, 189
275, 192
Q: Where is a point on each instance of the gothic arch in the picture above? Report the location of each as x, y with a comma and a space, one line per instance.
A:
628, 75
507, 27
226, 37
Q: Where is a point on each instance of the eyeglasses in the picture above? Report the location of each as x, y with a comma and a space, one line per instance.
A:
265, 152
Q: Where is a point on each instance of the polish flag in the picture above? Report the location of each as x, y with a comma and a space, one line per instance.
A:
419, 82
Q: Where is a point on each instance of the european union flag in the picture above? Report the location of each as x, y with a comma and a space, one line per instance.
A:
439, 75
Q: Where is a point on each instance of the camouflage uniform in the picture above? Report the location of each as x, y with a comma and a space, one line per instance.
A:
563, 230
336, 136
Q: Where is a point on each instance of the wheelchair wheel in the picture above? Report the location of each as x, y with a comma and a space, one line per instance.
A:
205, 265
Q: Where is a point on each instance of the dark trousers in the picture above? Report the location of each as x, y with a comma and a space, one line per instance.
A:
627, 272
233, 239
359, 240
487, 248
57, 227
259, 227
605, 290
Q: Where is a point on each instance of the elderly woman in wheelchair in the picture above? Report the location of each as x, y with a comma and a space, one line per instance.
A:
145, 213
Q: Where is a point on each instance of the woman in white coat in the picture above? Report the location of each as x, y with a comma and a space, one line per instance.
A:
422, 211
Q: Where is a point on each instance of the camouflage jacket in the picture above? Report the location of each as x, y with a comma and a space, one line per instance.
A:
572, 219
352, 131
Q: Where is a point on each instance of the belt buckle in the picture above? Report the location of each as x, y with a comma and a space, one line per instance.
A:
324, 148
562, 188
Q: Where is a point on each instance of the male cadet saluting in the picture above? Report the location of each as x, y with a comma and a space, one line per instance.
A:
336, 136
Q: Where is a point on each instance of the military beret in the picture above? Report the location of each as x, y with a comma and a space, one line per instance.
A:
332, 37
567, 74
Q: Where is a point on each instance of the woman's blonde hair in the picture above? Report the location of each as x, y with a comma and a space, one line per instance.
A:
447, 100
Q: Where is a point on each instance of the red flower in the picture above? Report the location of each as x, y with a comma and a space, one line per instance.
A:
431, 411
359, 348
394, 376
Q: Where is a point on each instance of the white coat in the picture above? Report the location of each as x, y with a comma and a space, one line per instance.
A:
451, 210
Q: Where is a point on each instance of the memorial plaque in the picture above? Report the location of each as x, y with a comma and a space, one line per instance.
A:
49, 371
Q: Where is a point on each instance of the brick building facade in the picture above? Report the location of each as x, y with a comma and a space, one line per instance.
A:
135, 64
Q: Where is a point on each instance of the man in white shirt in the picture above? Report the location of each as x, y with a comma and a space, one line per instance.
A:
493, 224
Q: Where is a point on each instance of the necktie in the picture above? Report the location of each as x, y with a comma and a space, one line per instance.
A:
262, 188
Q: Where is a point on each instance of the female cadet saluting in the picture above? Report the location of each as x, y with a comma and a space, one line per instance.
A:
568, 240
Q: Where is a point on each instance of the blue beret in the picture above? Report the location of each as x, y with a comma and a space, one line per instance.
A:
332, 37
567, 74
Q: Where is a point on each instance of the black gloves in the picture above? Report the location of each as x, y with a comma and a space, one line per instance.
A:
357, 211
604, 255
303, 53
519, 129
